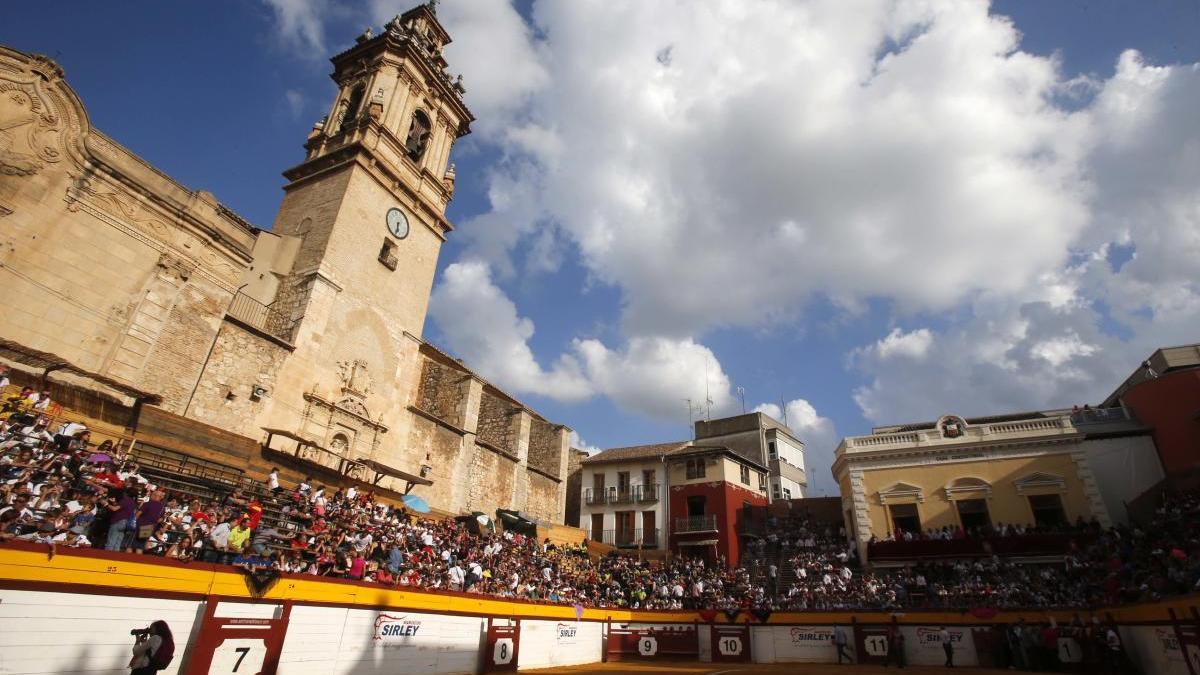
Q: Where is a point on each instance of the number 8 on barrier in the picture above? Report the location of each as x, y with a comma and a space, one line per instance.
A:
502, 653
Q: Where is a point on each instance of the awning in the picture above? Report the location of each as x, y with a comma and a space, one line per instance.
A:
303, 443
293, 436
702, 542
49, 363
382, 470
345, 464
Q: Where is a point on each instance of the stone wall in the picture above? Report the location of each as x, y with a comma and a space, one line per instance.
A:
543, 501
496, 422
240, 361
105, 261
574, 485
440, 447
545, 447
491, 484
441, 392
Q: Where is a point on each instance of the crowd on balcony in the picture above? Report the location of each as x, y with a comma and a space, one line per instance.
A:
999, 530
58, 489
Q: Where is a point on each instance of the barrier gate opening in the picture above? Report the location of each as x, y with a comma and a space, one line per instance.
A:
242, 638
503, 645
650, 643
730, 643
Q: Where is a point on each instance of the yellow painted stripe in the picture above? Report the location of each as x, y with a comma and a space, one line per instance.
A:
116, 575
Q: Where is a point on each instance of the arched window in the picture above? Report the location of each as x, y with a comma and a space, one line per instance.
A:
350, 113
418, 136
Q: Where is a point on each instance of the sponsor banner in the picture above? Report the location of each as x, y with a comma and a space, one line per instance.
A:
1145, 647
396, 629
560, 643
566, 633
809, 644
924, 645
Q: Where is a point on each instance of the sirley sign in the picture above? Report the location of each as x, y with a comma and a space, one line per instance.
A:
805, 635
929, 637
565, 633
392, 626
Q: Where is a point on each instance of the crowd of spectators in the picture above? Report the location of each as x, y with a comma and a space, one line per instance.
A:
999, 530
56, 488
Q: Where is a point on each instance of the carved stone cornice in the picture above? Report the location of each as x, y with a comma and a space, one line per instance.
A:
122, 212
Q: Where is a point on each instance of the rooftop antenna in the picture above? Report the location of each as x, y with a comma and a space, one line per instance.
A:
741, 392
707, 397
693, 410
783, 407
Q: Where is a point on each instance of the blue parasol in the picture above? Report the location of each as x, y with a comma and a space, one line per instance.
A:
415, 503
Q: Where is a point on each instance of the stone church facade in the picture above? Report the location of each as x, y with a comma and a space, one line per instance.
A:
313, 327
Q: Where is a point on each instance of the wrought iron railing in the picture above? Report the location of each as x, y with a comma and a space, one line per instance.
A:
645, 538
647, 493
266, 318
612, 495
707, 523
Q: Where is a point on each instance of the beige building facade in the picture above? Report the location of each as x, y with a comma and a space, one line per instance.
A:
1031, 468
313, 327
765, 440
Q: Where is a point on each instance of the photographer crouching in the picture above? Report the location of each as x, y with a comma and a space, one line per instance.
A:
153, 649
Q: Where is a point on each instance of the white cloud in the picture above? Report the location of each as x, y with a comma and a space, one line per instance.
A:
483, 327
1059, 350
1079, 331
657, 376
295, 102
775, 155
300, 24
578, 443
652, 376
913, 345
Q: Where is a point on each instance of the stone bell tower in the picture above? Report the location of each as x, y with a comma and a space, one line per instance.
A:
365, 211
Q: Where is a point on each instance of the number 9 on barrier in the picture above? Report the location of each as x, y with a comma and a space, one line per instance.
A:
648, 646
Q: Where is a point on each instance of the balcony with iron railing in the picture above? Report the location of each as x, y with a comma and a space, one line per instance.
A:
265, 318
706, 523
641, 494
647, 493
639, 538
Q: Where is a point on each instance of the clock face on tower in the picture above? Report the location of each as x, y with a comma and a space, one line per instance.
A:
397, 223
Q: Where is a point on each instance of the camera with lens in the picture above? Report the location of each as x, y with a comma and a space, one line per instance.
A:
140, 632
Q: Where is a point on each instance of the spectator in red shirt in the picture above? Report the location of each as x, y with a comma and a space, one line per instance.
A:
254, 511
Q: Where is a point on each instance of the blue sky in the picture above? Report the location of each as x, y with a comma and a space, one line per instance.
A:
1017, 232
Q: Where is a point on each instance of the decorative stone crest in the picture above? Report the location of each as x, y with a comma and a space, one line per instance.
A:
356, 380
28, 132
952, 426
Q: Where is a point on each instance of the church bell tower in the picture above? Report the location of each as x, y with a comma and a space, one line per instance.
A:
369, 200
363, 219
